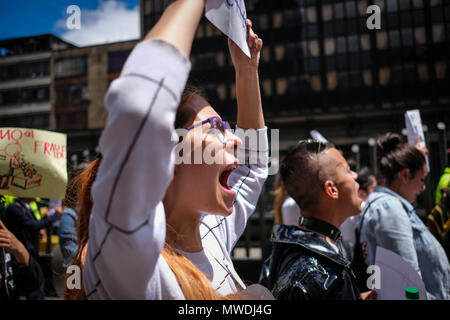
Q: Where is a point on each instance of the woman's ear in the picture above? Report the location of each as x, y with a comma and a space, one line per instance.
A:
404, 175
362, 194
331, 190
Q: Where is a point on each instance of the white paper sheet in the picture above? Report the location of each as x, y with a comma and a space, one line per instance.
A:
229, 16
396, 275
415, 129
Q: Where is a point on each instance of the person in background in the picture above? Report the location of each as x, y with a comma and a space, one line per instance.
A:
20, 273
307, 261
20, 220
444, 182
438, 221
285, 209
67, 231
367, 183
390, 220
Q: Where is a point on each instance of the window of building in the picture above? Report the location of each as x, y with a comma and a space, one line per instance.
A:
116, 60
277, 20
341, 46
279, 52
147, 7
441, 70
392, 5
327, 12
350, 9
355, 79
21, 96
362, 7
381, 40
313, 46
365, 42
267, 87
419, 17
404, 4
263, 21
72, 94
406, 19
331, 81
419, 35
394, 38
353, 43
68, 67
422, 70
438, 33
281, 86
384, 75
367, 78
339, 10
435, 3
311, 14
330, 46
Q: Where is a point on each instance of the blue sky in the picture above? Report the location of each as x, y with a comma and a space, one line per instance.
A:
101, 20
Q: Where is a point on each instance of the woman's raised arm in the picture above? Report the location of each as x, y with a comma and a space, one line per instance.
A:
178, 24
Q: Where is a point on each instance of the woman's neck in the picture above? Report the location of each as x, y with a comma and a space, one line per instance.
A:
394, 186
182, 230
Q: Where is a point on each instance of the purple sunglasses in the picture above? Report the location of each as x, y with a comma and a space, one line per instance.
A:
216, 123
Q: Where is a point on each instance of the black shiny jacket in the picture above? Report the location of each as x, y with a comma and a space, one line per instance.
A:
304, 266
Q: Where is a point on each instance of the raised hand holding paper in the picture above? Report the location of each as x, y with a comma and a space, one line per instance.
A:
415, 130
229, 16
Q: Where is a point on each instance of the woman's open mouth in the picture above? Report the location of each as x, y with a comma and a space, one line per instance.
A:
223, 178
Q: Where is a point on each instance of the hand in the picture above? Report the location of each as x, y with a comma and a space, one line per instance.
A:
369, 295
11, 244
59, 210
421, 148
238, 57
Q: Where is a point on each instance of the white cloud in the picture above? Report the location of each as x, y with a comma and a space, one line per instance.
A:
112, 21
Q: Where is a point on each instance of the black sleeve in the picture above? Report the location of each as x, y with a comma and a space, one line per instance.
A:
23, 219
343, 288
29, 278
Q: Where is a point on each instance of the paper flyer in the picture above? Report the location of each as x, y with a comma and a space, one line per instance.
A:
229, 16
415, 130
396, 275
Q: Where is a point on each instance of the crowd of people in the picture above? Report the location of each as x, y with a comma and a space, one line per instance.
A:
142, 225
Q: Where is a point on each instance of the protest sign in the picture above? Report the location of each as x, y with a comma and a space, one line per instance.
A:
229, 16
415, 130
32, 163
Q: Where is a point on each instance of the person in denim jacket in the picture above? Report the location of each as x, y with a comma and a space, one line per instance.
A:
390, 220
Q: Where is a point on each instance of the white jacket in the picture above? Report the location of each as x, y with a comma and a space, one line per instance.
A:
127, 226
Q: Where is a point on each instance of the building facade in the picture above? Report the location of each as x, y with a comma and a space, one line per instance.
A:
79, 81
323, 68
25, 80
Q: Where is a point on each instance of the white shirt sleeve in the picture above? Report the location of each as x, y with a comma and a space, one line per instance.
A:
127, 226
